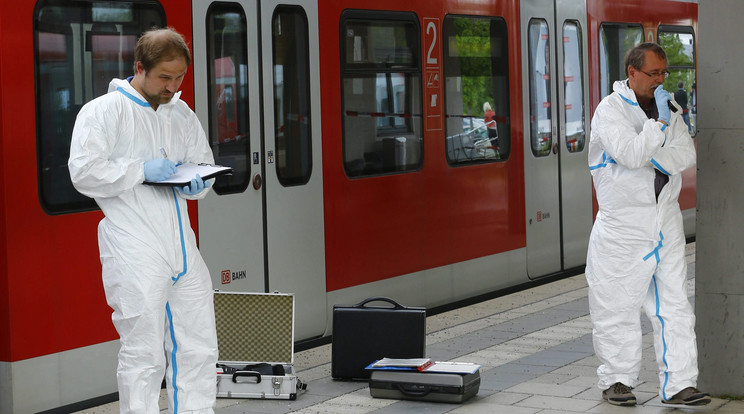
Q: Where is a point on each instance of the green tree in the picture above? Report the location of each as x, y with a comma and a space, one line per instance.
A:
473, 45
680, 62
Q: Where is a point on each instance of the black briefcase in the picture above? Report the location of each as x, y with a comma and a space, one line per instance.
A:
424, 386
363, 334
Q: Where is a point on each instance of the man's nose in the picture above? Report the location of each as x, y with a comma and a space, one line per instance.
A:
172, 85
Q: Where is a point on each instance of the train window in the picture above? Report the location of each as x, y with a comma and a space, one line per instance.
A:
573, 86
679, 44
539, 80
615, 39
476, 71
381, 89
228, 94
291, 95
79, 47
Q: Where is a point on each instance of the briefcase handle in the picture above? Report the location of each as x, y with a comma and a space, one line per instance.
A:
414, 391
246, 374
395, 304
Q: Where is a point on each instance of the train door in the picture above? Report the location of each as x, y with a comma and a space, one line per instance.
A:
257, 94
557, 181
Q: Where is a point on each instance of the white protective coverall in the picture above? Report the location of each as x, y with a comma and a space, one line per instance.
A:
154, 277
636, 255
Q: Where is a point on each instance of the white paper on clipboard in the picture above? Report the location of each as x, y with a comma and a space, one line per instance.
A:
188, 171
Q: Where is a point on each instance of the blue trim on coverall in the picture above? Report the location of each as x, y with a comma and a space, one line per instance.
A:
167, 305
183, 243
605, 161
136, 100
655, 252
628, 100
659, 167
174, 363
663, 340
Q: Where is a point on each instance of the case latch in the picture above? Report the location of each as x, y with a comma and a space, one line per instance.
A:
277, 383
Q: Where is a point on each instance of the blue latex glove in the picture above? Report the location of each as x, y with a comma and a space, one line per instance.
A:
159, 169
662, 103
196, 186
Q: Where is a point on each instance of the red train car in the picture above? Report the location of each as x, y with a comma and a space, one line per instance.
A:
363, 163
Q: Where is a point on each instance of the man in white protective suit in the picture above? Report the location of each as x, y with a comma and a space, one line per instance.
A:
155, 280
636, 255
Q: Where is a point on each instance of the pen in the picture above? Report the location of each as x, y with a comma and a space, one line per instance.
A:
162, 151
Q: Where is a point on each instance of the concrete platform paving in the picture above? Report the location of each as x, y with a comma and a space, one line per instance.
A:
535, 348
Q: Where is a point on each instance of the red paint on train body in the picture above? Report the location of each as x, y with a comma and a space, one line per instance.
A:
50, 282
428, 218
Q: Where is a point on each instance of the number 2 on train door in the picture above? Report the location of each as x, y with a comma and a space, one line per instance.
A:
432, 75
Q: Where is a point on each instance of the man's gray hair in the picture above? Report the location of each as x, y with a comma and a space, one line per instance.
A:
636, 57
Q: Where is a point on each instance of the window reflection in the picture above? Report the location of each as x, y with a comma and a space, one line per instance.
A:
228, 94
476, 74
291, 96
540, 92
573, 84
679, 44
615, 40
80, 46
381, 86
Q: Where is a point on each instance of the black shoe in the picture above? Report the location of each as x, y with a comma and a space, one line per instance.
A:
619, 394
689, 396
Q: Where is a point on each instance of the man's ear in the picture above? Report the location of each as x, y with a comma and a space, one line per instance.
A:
140, 68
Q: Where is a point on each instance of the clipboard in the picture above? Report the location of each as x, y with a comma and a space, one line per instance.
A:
188, 171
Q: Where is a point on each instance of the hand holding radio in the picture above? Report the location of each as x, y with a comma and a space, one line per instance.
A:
662, 103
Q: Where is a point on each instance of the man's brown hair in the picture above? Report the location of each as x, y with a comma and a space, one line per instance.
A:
158, 45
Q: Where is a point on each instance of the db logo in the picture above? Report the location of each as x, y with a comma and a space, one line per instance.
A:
225, 277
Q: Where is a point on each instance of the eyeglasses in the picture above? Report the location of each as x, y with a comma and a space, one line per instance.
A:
656, 74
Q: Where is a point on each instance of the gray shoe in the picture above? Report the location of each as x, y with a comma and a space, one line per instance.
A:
619, 394
689, 396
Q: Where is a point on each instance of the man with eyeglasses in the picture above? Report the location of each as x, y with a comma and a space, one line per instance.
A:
636, 256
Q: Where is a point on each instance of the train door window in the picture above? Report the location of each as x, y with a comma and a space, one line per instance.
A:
381, 89
573, 86
541, 125
79, 47
476, 71
679, 44
615, 39
291, 95
227, 70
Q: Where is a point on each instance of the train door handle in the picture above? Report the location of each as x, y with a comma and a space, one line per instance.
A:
257, 181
